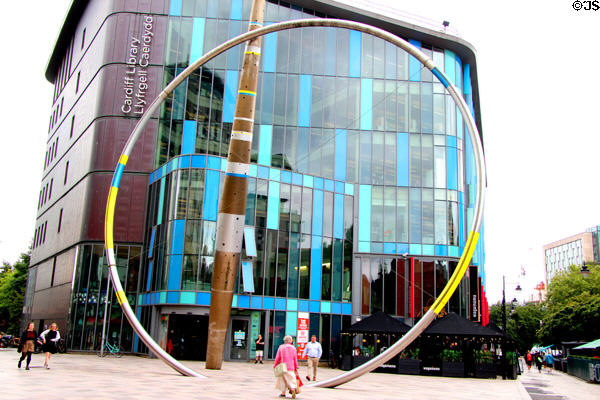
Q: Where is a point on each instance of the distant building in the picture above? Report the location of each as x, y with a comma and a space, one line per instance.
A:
573, 250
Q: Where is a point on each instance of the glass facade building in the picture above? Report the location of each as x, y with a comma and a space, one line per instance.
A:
361, 187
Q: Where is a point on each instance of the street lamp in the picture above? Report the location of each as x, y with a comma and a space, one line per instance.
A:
584, 270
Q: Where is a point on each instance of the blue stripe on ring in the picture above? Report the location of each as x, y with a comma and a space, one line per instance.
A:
117, 176
441, 77
236, 175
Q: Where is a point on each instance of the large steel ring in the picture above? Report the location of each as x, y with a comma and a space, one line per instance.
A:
454, 280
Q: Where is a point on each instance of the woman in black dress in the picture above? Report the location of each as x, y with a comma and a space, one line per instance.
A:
50, 337
27, 344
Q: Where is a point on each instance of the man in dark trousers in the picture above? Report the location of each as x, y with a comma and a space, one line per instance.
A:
260, 348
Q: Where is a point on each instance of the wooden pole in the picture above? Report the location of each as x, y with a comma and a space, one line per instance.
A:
232, 209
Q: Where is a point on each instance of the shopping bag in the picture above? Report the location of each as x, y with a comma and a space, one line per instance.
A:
280, 369
299, 383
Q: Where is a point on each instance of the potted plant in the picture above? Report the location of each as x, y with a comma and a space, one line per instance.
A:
484, 364
452, 363
409, 362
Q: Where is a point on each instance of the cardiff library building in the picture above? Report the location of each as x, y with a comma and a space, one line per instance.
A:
361, 187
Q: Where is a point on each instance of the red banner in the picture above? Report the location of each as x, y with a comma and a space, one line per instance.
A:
302, 336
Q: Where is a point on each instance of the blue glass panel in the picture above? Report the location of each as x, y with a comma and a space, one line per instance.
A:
243, 301
256, 302
149, 275
280, 304
172, 297
151, 247
339, 187
364, 213
268, 303
174, 280
468, 90
175, 8
304, 100
223, 164
441, 250
402, 160
354, 61
453, 251
247, 276
308, 181
203, 299
211, 195
315, 306
303, 305
188, 141
161, 200
318, 183
196, 49
187, 298
291, 323
252, 170
452, 167
458, 71
366, 104
292, 304
273, 206
389, 248
415, 249
275, 174
364, 247
270, 52
450, 65
177, 236
317, 214
346, 308
376, 247
349, 189
234, 301
414, 65
428, 250
184, 162
336, 308
330, 52
286, 177
341, 141
229, 95
213, 163
338, 216
250, 241
264, 144
198, 161
402, 248
263, 172
316, 261
236, 9
326, 307
297, 179
328, 185
451, 141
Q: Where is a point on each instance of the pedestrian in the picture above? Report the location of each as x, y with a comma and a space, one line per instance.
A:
313, 351
539, 361
528, 360
50, 338
286, 353
260, 348
27, 344
549, 359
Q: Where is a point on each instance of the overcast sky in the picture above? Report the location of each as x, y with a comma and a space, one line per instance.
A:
537, 66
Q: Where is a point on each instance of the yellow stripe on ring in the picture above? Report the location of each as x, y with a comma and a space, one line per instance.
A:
121, 298
251, 93
458, 274
109, 218
252, 52
123, 159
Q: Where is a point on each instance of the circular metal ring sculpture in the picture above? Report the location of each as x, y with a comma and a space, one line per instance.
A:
465, 258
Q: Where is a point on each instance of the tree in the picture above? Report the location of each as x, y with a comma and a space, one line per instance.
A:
522, 323
13, 281
573, 307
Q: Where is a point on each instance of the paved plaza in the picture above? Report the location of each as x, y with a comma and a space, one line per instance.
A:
84, 376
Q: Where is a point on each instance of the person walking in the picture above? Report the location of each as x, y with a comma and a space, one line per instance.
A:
50, 338
549, 359
260, 348
539, 361
528, 360
27, 344
313, 351
286, 353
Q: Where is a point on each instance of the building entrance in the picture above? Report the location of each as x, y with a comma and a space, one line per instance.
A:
239, 343
187, 336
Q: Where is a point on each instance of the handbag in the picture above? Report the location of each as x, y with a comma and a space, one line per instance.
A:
280, 369
299, 383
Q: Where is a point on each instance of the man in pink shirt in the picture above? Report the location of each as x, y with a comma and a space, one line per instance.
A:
287, 354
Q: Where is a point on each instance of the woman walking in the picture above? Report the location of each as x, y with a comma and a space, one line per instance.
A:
27, 344
50, 337
287, 354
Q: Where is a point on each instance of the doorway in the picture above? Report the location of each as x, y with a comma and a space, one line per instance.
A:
238, 341
187, 336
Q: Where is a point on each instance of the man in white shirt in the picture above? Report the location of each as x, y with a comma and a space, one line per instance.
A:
314, 351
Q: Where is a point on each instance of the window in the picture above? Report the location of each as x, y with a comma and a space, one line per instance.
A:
44, 234
62, 101
59, 220
55, 148
83, 39
66, 172
50, 190
53, 271
77, 83
72, 126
